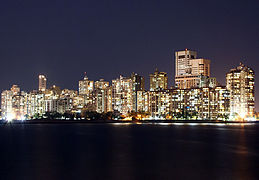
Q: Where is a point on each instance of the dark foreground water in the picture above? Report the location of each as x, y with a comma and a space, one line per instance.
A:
123, 151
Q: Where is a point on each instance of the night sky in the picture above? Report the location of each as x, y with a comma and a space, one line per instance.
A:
64, 39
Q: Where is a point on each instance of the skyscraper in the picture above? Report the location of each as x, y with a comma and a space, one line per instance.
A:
138, 82
182, 62
122, 99
240, 83
158, 81
42, 83
86, 86
86, 91
13, 104
103, 96
6, 105
189, 70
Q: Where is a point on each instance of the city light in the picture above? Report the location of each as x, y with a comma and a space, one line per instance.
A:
196, 96
10, 117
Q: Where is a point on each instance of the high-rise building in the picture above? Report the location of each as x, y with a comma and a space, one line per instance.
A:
36, 104
13, 104
103, 96
206, 81
101, 84
222, 99
200, 103
42, 83
6, 104
189, 69
138, 84
142, 104
86, 91
60, 105
158, 81
86, 86
240, 83
182, 62
159, 103
122, 99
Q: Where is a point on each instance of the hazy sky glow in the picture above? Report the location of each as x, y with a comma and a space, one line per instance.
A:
63, 39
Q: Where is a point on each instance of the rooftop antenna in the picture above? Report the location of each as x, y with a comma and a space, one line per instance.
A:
85, 77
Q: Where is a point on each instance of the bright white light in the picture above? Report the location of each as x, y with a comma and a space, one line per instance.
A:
23, 118
250, 119
164, 124
242, 114
10, 117
192, 124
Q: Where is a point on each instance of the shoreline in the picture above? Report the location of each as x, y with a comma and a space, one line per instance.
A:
56, 121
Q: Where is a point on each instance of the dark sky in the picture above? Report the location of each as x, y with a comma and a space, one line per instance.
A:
63, 39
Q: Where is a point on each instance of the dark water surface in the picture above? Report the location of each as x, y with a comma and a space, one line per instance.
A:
128, 151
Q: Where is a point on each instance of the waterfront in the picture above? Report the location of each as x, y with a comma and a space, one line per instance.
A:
129, 151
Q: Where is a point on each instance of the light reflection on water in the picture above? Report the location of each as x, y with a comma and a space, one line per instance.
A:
129, 151
186, 124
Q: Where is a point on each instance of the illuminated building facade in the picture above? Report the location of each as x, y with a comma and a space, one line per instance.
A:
101, 84
103, 96
158, 81
122, 91
206, 81
86, 91
35, 104
6, 104
86, 86
159, 103
60, 105
200, 103
240, 83
57, 100
182, 62
42, 83
13, 104
189, 69
142, 101
222, 99
138, 84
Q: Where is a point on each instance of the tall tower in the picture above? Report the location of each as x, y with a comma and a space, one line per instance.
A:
42, 83
6, 105
182, 62
13, 104
103, 96
85, 86
86, 91
158, 81
240, 83
189, 70
138, 82
122, 99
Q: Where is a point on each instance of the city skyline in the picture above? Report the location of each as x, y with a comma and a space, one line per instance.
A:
196, 95
65, 39
129, 89
148, 86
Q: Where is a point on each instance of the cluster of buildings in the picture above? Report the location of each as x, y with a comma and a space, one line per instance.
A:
196, 94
